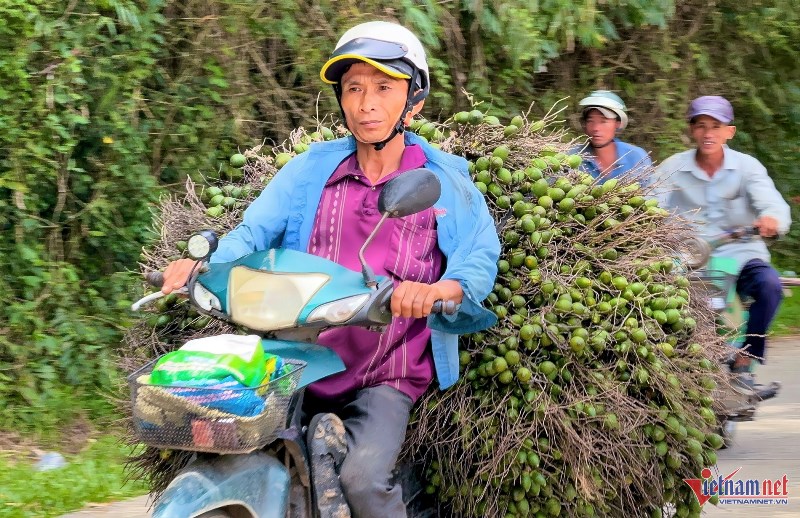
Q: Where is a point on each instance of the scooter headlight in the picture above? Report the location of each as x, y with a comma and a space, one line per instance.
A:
339, 311
266, 301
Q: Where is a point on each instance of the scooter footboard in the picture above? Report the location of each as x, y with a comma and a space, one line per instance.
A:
255, 483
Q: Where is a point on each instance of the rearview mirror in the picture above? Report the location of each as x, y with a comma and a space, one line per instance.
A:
409, 193
695, 252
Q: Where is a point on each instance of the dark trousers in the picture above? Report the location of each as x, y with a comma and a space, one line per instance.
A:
375, 420
760, 282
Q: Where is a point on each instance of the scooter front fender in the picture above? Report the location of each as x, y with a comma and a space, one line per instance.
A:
255, 483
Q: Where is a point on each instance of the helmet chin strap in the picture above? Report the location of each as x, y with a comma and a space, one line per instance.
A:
399, 127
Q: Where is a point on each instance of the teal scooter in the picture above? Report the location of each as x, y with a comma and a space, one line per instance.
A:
717, 276
257, 466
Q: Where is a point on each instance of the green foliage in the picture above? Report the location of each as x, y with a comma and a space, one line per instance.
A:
787, 321
94, 475
495, 50
74, 193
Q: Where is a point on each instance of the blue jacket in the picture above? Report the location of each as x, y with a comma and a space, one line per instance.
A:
283, 217
629, 157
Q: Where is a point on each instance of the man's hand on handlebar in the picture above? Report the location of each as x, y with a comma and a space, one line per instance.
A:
177, 274
415, 299
767, 226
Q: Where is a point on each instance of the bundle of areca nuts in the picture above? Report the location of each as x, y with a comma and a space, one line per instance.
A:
593, 395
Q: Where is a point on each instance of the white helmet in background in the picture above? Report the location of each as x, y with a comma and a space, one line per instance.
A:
607, 103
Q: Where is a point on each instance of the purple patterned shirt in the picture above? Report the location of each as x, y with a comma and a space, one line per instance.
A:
404, 249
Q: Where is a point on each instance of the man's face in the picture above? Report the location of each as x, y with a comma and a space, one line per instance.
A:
709, 134
599, 128
372, 102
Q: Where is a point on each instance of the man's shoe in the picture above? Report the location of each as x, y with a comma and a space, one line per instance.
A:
744, 383
765, 392
327, 447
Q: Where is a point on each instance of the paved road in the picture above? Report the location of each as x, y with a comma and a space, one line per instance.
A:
134, 508
768, 447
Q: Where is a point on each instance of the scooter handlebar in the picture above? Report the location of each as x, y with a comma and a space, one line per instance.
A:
737, 234
788, 282
448, 307
755, 231
155, 279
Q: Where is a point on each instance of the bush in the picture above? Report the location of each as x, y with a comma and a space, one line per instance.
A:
75, 194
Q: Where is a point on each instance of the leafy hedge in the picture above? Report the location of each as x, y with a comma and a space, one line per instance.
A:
75, 188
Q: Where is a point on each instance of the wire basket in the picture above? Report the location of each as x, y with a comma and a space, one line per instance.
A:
211, 419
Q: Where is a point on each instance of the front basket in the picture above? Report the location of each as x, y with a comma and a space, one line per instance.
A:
209, 419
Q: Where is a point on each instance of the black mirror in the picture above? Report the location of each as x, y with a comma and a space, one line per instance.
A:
409, 193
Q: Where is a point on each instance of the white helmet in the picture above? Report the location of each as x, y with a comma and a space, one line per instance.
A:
607, 103
389, 47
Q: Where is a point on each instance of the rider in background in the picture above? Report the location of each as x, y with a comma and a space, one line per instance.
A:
603, 115
325, 202
719, 189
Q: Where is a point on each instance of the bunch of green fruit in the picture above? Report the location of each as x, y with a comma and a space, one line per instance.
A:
593, 395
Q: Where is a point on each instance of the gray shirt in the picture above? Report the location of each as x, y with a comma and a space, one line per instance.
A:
738, 194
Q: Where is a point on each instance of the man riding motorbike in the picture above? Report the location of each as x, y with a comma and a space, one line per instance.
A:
719, 188
324, 202
603, 115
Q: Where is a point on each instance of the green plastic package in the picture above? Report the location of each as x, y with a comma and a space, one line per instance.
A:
213, 358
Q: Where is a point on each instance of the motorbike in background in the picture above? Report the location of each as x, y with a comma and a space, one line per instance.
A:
258, 466
717, 277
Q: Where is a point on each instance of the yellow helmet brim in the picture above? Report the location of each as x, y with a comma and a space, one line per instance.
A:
333, 69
